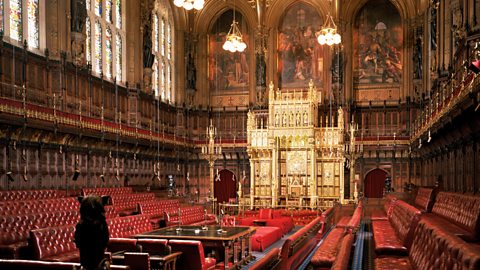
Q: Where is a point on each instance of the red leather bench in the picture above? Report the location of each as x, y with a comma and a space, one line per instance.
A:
342, 261
457, 214
387, 209
327, 220
122, 244
272, 218
271, 261
298, 246
126, 204
192, 215
22, 195
424, 199
154, 209
325, 255
265, 237
107, 191
24, 207
193, 257
15, 230
433, 249
54, 244
122, 227
394, 236
352, 222
44, 265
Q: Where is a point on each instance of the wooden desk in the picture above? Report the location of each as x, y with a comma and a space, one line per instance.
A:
227, 239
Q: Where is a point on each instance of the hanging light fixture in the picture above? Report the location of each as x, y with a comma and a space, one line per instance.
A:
328, 34
189, 4
234, 42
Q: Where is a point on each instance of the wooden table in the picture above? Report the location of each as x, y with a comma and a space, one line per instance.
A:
227, 239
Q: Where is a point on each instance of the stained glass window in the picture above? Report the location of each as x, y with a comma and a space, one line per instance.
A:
108, 53
88, 46
108, 10
118, 13
155, 32
155, 78
33, 24
169, 82
169, 42
1, 16
98, 47
98, 7
162, 38
16, 29
118, 60
106, 46
164, 81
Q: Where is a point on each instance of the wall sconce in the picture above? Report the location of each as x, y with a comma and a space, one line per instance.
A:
10, 177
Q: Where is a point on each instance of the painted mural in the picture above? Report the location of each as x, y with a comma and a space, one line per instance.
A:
226, 70
378, 36
300, 57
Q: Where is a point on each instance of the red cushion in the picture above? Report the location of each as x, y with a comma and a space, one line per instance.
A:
386, 242
388, 263
264, 237
265, 214
327, 252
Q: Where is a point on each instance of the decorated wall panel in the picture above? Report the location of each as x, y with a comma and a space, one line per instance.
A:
227, 71
300, 57
378, 49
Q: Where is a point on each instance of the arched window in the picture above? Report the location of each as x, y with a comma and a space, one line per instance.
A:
20, 20
162, 40
108, 36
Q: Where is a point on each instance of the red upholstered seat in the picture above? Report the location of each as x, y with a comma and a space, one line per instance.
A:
343, 257
343, 221
193, 257
154, 246
457, 213
327, 252
265, 213
424, 199
395, 235
122, 244
434, 249
264, 237
397, 263
386, 241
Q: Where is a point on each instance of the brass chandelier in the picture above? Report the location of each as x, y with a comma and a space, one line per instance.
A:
329, 34
189, 4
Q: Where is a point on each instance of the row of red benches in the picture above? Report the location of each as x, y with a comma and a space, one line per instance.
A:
335, 247
430, 240
56, 243
190, 215
110, 191
37, 194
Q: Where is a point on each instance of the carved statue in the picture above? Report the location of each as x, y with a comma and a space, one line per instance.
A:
418, 59
261, 67
340, 117
79, 14
433, 24
191, 73
148, 57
